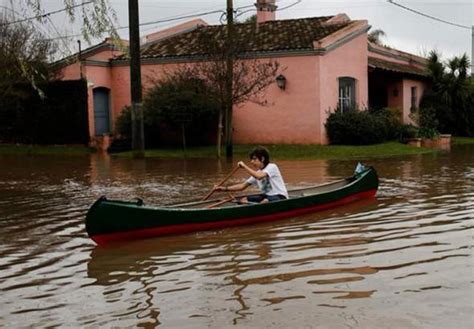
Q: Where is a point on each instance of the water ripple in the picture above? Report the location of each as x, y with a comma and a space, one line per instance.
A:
410, 251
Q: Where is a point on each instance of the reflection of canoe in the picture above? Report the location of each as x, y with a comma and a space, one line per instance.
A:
113, 264
113, 220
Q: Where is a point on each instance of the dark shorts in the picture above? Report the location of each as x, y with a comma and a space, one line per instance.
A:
259, 197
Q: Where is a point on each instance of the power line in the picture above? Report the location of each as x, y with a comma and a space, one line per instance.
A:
166, 20
47, 14
291, 5
174, 19
57, 32
429, 16
171, 19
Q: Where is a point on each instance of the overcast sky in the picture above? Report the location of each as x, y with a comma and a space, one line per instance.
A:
405, 30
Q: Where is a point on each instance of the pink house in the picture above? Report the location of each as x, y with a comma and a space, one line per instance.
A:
327, 62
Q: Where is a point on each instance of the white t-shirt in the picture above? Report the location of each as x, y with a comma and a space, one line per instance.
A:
272, 184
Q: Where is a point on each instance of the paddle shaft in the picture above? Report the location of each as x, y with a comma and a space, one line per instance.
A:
220, 183
219, 203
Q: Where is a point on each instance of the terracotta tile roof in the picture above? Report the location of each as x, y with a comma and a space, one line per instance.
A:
278, 35
397, 67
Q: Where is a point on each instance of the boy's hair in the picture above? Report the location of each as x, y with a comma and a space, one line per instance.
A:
260, 152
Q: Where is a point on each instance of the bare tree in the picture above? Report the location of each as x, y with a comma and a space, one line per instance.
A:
24, 55
251, 75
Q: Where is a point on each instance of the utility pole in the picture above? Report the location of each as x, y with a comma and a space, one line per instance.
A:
472, 52
229, 148
79, 59
138, 138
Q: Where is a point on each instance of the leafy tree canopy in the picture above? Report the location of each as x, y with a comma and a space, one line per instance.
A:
97, 16
453, 94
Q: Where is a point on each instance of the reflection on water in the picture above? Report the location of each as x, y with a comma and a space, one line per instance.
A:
402, 260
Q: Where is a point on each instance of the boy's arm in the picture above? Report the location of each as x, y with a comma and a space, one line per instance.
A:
236, 187
257, 174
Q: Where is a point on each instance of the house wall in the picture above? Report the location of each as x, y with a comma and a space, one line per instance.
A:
402, 98
291, 115
98, 76
407, 85
395, 94
120, 83
253, 122
71, 72
295, 115
120, 77
348, 60
312, 90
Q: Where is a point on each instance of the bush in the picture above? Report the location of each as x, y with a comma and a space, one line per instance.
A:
444, 113
184, 106
428, 123
177, 108
363, 127
391, 119
153, 131
407, 132
123, 124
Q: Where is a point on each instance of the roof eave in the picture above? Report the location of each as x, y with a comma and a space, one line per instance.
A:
203, 58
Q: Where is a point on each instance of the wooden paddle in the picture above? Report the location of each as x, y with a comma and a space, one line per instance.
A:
220, 203
220, 183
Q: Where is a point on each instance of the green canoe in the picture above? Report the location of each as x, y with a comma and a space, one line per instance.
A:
115, 220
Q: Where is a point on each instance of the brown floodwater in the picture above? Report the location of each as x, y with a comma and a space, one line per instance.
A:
402, 260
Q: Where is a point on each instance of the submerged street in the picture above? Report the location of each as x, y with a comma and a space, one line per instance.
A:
401, 260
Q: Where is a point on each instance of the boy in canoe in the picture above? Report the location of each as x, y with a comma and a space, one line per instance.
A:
265, 175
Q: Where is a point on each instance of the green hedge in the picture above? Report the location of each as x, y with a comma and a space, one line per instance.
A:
354, 127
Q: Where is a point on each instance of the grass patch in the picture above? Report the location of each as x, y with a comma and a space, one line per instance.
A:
462, 140
44, 150
295, 152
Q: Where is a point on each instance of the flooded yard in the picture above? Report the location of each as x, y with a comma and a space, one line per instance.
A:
402, 260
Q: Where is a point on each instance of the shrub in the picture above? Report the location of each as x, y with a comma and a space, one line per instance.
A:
123, 124
355, 128
444, 113
428, 123
364, 127
184, 105
406, 132
391, 119
172, 108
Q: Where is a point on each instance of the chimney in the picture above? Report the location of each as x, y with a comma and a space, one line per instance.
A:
265, 10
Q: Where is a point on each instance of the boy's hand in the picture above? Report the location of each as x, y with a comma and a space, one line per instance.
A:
241, 164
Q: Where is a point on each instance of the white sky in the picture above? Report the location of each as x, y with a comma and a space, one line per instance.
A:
405, 30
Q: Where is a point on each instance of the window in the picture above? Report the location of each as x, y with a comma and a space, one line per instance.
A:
346, 93
414, 98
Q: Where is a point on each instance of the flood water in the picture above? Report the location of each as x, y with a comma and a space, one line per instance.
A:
402, 260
